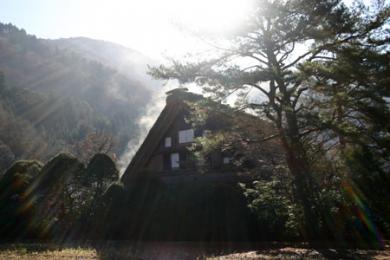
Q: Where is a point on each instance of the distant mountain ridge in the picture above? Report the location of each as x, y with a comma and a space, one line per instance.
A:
63, 90
129, 62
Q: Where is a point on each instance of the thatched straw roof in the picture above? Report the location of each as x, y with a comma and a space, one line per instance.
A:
175, 104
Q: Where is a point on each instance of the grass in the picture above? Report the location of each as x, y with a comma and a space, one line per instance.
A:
45, 251
182, 250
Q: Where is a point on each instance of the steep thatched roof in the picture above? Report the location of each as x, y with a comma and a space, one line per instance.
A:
175, 104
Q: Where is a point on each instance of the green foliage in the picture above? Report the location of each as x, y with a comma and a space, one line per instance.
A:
356, 110
274, 209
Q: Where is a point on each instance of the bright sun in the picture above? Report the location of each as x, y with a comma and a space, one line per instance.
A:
155, 26
209, 15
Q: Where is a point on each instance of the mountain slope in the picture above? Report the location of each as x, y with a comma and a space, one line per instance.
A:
62, 95
128, 62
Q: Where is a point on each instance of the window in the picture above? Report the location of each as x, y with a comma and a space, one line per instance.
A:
186, 136
226, 160
175, 161
168, 142
206, 133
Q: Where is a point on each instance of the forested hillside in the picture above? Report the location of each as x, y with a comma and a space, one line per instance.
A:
54, 99
130, 63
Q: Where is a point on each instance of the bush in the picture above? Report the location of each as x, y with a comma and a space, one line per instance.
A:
277, 215
18, 204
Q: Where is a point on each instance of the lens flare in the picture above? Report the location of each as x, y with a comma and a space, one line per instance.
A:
362, 212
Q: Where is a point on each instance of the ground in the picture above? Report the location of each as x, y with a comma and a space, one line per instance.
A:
183, 250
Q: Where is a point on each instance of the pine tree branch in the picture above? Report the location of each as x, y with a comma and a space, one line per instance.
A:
251, 55
298, 95
259, 88
296, 60
264, 139
286, 54
252, 67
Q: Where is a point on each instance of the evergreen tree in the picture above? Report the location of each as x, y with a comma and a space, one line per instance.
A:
348, 108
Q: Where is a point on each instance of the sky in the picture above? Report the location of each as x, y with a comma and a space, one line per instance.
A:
153, 27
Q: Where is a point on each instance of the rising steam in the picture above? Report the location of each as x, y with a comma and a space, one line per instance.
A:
145, 122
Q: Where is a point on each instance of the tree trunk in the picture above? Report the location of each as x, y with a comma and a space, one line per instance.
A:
300, 169
297, 161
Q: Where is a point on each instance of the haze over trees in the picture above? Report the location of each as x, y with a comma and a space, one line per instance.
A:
322, 71
55, 95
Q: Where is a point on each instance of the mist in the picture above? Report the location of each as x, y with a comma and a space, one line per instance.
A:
145, 123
